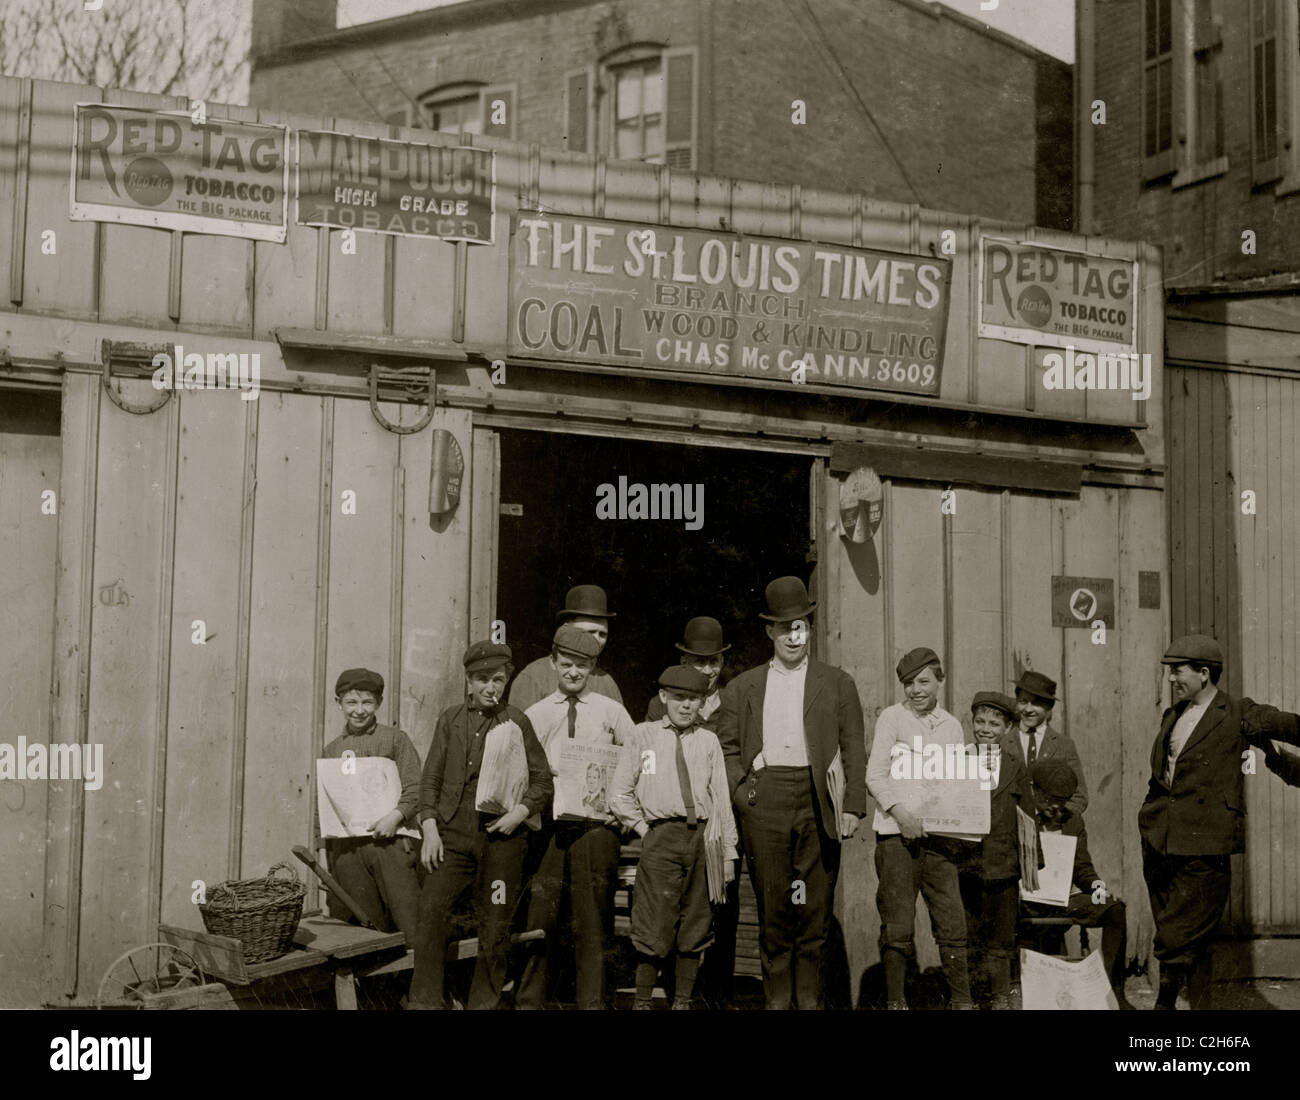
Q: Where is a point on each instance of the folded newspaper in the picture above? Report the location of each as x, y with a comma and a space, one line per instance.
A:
1057, 874
714, 862
503, 775
354, 792
1052, 983
835, 788
583, 771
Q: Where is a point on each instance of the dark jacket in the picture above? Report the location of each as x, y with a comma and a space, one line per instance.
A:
444, 782
997, 856
1056, 744
1203, 812
832, 719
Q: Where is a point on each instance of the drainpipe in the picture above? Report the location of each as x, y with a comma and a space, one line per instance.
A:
1085, 89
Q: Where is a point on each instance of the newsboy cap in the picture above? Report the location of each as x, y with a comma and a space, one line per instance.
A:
702, 638
914, 660
572, 640
487, 656
995, 699
1054, 777
1037, 684
359, 679
681, 678
585, 601
787, 600
1193, 649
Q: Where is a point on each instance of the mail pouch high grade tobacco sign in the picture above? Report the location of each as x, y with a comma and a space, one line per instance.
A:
171, 172
398, 187
662, 298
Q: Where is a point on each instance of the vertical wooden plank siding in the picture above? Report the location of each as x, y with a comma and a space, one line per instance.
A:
125, 664
279, 735
30, 456
485, 501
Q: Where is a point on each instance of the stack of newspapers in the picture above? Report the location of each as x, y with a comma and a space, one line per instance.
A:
503, 776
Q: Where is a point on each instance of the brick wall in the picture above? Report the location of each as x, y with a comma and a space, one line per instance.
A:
1199, 225
963, 121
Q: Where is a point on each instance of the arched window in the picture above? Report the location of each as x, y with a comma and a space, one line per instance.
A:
465, 108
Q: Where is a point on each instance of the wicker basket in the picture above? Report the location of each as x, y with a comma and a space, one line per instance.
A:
262, 913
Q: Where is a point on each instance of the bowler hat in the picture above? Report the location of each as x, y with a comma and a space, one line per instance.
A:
572, 640
681, 678
486, 656
359, 679
586, 601
702, 638
995, 699
914, 660
1193, 649
787, 600
1054, 777
1037, 684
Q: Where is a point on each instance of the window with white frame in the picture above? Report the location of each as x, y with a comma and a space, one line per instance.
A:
1157, 89
463, 110
638, 112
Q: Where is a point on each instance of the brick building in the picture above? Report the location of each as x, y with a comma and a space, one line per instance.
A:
1199, 152
708, 85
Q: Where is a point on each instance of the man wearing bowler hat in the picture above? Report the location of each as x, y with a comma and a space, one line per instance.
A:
1194, 817
781, 726
584, 607
701, 648
1035, 740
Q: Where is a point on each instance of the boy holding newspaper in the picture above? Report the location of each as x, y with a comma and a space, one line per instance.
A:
486, 773
670, 788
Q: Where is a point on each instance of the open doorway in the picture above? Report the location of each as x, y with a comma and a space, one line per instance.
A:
753, 526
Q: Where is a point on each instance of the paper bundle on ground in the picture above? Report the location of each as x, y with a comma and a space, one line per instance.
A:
835, 788
1027, 836
1053, 879
1048, 982
582, 776
353, 793
714, 863
503, 775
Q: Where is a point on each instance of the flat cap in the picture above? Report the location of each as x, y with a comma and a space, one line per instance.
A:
487, 656
995, 699
914, 660
681, 678
572, 640
1054, 777
1193, 649
359, 679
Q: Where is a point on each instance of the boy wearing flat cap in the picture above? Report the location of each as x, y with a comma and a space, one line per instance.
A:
584, 609
583, 854
670, 788
781, 725
1090, 904
378, 871
1194, 817
1036, 740
990, 879
465, 848
907, 859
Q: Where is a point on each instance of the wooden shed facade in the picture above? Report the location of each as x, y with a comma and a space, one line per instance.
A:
224, 515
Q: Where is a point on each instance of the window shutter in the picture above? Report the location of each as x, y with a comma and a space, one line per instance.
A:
679, 108
498, 103
578, 102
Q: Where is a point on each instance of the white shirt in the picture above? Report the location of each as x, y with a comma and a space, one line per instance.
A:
899, 725
1180, 733
783, 734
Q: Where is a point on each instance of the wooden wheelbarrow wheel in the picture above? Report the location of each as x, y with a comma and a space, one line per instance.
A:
152, 968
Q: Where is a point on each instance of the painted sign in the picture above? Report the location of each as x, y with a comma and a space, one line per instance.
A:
165, 170
1032, 294
397, 187
663, 298
1081, 601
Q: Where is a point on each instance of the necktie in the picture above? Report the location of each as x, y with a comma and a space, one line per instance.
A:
1031, 753
684, 781
573, 715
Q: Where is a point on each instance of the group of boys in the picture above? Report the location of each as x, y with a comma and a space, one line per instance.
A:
774, 765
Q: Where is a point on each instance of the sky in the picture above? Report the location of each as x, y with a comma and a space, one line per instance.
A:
1047, 24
